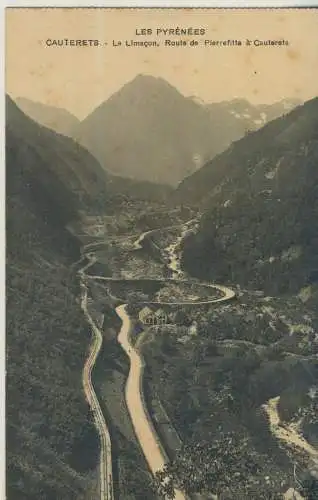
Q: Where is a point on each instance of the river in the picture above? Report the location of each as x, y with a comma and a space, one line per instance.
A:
146, 434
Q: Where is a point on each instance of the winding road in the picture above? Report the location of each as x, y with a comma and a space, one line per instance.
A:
106, 475
152, 448
138, 243
227, 293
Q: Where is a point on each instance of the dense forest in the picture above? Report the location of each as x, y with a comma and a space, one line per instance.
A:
213, 386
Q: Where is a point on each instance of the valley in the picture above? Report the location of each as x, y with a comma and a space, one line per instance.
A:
137, 406
162, 328
169, 355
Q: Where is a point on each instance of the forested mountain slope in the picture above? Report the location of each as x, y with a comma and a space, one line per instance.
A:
260, 205
58, 163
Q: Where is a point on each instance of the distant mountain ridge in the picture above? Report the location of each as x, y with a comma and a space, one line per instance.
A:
260, 204
148, 130
238, 116
58, 119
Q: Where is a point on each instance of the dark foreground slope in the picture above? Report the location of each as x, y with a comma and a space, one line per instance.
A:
260, 205
51, 441
56, 161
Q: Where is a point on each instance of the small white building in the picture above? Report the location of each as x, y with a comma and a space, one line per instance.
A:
193, 329
150, 317
146, 316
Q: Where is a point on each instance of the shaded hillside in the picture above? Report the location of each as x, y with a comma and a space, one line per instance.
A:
58, 119
205, 183
148, 131
52, 444
259, 200
139, 190
91, 186
55, 161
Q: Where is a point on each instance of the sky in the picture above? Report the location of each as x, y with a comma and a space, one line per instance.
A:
80, 78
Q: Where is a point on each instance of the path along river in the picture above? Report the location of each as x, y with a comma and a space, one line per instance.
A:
145, 432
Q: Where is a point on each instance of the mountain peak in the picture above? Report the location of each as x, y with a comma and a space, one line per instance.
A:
148, 83
149, 79
146, 77
149, 131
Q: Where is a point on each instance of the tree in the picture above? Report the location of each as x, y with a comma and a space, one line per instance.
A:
307, 481
226, 462
164, 484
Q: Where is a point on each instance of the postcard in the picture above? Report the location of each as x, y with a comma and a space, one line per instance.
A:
162, 269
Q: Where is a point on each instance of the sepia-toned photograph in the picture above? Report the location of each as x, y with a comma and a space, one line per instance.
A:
161, 253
